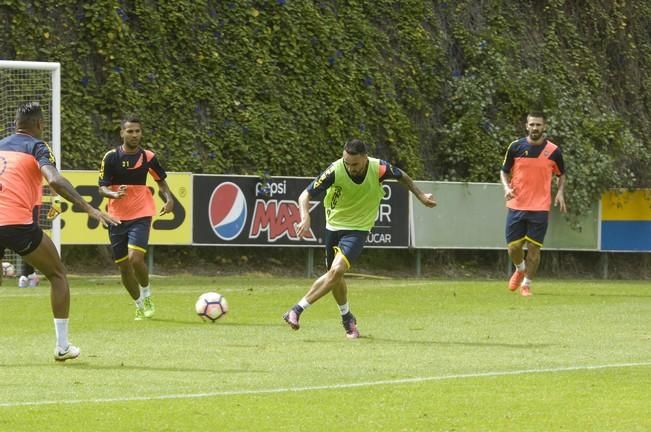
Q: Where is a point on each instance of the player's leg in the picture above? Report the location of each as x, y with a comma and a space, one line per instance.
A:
350, 247
340, 293
28, 277
37, 249
138, 244
322, 286
45, 258
137, 260
130, 283
516, 230
138, 267
119, 236
128, 277
533, 259
316, 291
348, 320
330, 279
536, 230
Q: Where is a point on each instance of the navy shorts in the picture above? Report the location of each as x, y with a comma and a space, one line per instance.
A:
526, 225
347, 242
132, 234
22, 239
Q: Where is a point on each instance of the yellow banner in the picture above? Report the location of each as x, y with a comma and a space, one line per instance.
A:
626, 205
171, 229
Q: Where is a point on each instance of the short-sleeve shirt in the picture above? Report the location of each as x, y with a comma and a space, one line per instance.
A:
21, 181
531, 168
131, 169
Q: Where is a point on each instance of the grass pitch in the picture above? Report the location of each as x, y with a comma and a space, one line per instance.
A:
437, 355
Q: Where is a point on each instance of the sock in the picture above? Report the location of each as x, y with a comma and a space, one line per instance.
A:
347, 316
145, 291
344, 309
139, 302
61, 331
520, 267
526, 281
302, 305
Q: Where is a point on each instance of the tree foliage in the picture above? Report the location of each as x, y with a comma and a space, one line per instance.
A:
438, 87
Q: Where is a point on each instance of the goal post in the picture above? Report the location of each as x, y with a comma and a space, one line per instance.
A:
32, 81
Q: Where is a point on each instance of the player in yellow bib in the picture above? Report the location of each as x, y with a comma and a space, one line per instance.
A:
353, 187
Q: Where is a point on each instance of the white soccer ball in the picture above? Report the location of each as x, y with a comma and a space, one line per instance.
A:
8, 269
211, 306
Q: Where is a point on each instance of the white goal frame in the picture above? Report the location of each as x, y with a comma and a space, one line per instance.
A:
55, 117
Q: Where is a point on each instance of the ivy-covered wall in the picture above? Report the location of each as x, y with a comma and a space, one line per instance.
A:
438, 87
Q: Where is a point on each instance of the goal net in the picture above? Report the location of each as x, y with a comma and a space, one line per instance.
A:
22, 82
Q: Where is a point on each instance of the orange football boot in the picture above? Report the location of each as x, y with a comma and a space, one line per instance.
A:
516, 280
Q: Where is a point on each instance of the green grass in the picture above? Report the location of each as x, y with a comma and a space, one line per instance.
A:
437, 355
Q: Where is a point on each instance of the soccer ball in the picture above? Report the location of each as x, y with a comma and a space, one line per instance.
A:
211, 306
8, 269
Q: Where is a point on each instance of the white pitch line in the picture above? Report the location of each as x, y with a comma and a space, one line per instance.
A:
414, 380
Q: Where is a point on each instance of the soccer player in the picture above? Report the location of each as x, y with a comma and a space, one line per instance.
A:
353, 187
123, 179
526, 175
24, 161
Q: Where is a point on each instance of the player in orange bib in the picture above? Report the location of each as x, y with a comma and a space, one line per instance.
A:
526, 175
25, 159
123, 180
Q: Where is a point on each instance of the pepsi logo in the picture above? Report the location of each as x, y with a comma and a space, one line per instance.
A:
227, 211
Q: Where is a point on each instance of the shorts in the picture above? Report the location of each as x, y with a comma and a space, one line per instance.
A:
526, 225
131, 234
348, 243
22, 239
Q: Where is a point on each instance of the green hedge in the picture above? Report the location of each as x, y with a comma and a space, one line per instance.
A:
440, 87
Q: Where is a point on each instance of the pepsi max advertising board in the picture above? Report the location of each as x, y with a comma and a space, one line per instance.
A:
252, 211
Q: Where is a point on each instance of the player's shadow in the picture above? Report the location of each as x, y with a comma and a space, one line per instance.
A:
197, 322
86, 365
130, 367
467, 343
560, 294
373, 339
